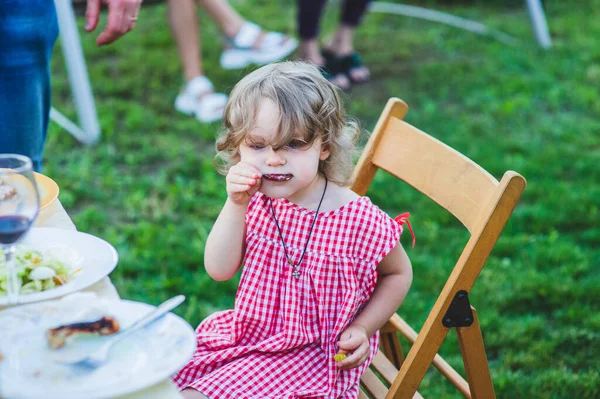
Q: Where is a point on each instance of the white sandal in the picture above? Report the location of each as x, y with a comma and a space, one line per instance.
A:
253, 46
198, 98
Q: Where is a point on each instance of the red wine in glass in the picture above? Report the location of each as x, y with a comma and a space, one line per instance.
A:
17, 214
12, 228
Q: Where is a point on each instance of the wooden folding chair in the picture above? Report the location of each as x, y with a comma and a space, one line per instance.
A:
483, 205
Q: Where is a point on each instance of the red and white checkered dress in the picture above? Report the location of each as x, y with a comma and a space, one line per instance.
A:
280, 340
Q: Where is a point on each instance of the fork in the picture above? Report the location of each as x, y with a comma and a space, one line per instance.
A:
99, 356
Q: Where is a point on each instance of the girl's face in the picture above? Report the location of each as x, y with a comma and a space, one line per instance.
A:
291, 172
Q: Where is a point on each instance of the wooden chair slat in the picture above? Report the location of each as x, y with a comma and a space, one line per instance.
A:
373, 385
384, 367
448, 371
362, 394
390, 345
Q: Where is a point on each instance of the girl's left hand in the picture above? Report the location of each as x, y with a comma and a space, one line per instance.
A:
355, 343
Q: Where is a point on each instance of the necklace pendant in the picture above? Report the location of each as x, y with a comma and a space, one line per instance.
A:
295, 266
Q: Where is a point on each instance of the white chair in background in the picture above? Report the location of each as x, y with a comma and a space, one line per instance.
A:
540, 26
536, 13
89, 132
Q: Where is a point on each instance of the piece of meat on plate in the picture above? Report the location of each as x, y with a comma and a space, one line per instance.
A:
58, 336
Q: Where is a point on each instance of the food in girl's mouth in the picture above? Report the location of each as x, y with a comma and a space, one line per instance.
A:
277, 177
57, 337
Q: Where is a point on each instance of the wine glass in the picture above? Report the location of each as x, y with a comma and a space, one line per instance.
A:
19, 206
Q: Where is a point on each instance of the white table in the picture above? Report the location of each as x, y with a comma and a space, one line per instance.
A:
56, 216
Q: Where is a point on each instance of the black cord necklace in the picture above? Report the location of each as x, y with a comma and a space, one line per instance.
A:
296, 266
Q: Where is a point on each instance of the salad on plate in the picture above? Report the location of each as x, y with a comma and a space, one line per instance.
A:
37, 271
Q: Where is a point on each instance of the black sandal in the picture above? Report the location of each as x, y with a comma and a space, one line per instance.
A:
349, 62
333, 68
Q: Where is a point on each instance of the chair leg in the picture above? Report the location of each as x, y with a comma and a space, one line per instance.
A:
475, 361
391, 347
540, 26
89, 133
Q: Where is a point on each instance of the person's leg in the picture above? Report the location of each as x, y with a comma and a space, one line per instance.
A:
342, 42
198, 97
247, 42
28, 31
24, 106
353, 12
184, 26
309, 17
228, 19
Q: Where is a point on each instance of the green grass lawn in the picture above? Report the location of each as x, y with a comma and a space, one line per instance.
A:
149, 187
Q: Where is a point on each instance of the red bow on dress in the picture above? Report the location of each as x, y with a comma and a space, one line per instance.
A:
403, 218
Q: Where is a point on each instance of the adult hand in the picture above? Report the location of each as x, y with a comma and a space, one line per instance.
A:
122, 15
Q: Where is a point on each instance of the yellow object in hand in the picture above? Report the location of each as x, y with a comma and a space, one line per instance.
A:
339, 357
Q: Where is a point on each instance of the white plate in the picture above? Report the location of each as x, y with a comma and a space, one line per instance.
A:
94, 256
29, 370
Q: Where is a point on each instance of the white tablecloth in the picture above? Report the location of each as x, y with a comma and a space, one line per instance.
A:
56, 216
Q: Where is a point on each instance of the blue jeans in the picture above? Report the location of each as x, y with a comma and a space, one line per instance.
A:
28, 31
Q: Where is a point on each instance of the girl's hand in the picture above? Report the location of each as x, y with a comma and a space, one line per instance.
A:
243, 180
353, 342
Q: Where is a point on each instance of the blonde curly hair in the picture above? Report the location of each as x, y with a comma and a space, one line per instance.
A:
309, 106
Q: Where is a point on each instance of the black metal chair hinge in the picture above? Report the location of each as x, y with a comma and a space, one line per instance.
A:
459, 313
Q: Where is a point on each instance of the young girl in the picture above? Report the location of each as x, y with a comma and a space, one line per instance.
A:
322, 267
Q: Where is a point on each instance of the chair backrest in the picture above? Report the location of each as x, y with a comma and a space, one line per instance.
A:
446, 176
481, 203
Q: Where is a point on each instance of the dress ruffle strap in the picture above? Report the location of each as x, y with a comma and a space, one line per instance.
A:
403, 218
